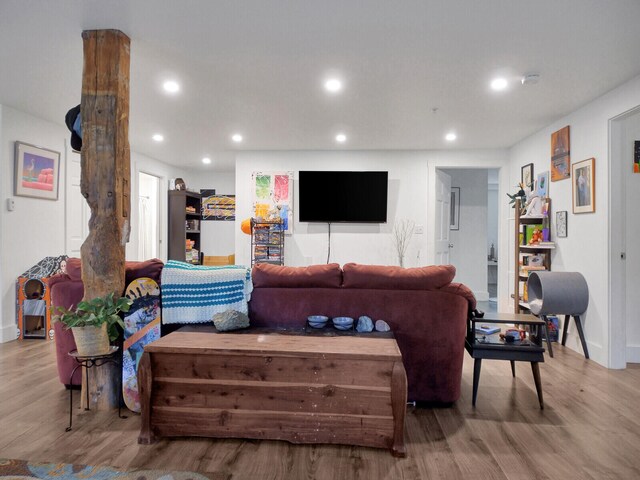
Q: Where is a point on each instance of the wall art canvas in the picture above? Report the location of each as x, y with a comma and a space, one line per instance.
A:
584, 186
37, 171
543, 184
561, 224
218, 207
526, 175
273, 197
636, 157
560, 155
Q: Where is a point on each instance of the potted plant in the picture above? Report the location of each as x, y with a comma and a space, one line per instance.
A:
94, 323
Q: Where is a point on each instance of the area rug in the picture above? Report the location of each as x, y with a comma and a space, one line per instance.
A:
23, 470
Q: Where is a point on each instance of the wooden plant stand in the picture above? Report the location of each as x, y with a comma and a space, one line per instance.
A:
345, 390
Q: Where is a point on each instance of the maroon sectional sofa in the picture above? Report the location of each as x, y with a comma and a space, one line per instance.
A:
67, 290
426, 311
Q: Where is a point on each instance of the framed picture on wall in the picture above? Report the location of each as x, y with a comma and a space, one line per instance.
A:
561, 224
454, 221
526, 175
37, 171
584, 186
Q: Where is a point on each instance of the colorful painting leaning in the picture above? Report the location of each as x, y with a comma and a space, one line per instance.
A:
36, 171
218, 207
273, 197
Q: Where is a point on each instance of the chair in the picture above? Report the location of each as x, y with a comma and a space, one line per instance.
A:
217, 260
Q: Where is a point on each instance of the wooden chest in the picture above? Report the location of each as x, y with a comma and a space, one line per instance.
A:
303, 389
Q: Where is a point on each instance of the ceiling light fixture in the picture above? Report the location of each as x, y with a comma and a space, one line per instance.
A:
236, 137
530, 78
171, 86
341, 138
157, 137
333, 85
206, 160
499, 84
450, 137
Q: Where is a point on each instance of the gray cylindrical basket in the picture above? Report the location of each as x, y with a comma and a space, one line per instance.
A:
560, 293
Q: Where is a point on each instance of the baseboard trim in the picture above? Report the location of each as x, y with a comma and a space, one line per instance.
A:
633, 353
8, 333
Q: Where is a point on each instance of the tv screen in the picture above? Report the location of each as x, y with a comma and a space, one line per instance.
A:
353, 197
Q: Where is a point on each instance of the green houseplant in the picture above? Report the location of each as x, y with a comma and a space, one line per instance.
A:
94, 322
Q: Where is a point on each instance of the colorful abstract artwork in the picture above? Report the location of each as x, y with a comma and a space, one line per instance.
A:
273, 197
560, 155
37, 171
218, 207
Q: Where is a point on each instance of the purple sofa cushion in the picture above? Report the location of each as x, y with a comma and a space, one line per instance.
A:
275, 276
132, 270
431, 277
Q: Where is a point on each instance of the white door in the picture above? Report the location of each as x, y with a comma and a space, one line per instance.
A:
442, 218
76, 208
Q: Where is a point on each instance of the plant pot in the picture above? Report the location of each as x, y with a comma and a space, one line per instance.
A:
91, 341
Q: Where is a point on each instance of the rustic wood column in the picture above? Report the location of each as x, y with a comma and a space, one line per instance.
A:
105, 177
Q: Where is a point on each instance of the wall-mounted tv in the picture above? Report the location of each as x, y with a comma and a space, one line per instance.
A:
349, 197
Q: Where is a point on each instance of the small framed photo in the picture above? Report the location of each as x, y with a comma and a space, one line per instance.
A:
454, 222
526, 175
561, 224
543, 184
584, 186
37, 172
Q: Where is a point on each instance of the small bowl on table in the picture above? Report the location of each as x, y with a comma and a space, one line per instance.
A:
343, 323
317, 321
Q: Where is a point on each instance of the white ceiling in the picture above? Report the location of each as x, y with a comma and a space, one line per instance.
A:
257, 67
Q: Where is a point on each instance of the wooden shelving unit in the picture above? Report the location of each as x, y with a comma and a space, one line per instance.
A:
519, 301
184, 226
267, 242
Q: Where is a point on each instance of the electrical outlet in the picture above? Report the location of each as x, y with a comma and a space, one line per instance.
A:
418, 230
11, 204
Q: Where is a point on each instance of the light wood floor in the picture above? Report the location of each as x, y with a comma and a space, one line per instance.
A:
590, 429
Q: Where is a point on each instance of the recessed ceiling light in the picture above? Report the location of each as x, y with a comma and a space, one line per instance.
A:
158, 138
206, 160
171, 86
333, 85
236, 137
498, 84
450, 137
341, 138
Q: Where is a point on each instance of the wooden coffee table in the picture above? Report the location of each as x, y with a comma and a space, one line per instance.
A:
303, 389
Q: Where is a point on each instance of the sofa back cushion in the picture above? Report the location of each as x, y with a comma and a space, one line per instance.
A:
323, 276
397, 278
148, 268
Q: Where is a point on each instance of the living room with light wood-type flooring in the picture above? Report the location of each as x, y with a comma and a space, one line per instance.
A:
455, 101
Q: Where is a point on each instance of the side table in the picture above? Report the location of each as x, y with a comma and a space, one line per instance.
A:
491, 347
90, 362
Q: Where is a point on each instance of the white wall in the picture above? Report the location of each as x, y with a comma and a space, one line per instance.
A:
35, 229
217, 237
360, 243
586, 249
469, 254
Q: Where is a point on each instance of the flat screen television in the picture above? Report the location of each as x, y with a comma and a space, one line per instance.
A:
348, 197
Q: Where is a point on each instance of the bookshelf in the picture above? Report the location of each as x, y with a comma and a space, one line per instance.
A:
184, 223
267, 242
529, 257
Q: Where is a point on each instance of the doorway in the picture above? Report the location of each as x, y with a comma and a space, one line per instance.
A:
148, 216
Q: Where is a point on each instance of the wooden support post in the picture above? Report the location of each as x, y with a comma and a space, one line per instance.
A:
105, 176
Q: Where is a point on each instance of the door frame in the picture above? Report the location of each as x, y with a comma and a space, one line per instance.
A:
489, 159
159, 209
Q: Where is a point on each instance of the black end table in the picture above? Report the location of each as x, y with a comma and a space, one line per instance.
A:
491, 347
90, 362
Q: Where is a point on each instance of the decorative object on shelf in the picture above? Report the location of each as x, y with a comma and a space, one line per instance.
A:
636, 157
520, 195
180, 185
526, 176
402, 234
534, 203
218, 207
273, 197
343, 323
94, 322
584, 186
560, 155
37, 172
317, 321
382, 326
454, 222
561, 224
245, 226
365, 324
542, 184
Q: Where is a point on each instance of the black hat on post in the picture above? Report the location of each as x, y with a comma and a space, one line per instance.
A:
74, 124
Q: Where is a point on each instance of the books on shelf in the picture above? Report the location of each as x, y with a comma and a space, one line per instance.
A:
487, 329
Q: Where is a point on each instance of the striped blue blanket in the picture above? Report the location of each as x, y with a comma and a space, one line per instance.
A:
194, 294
